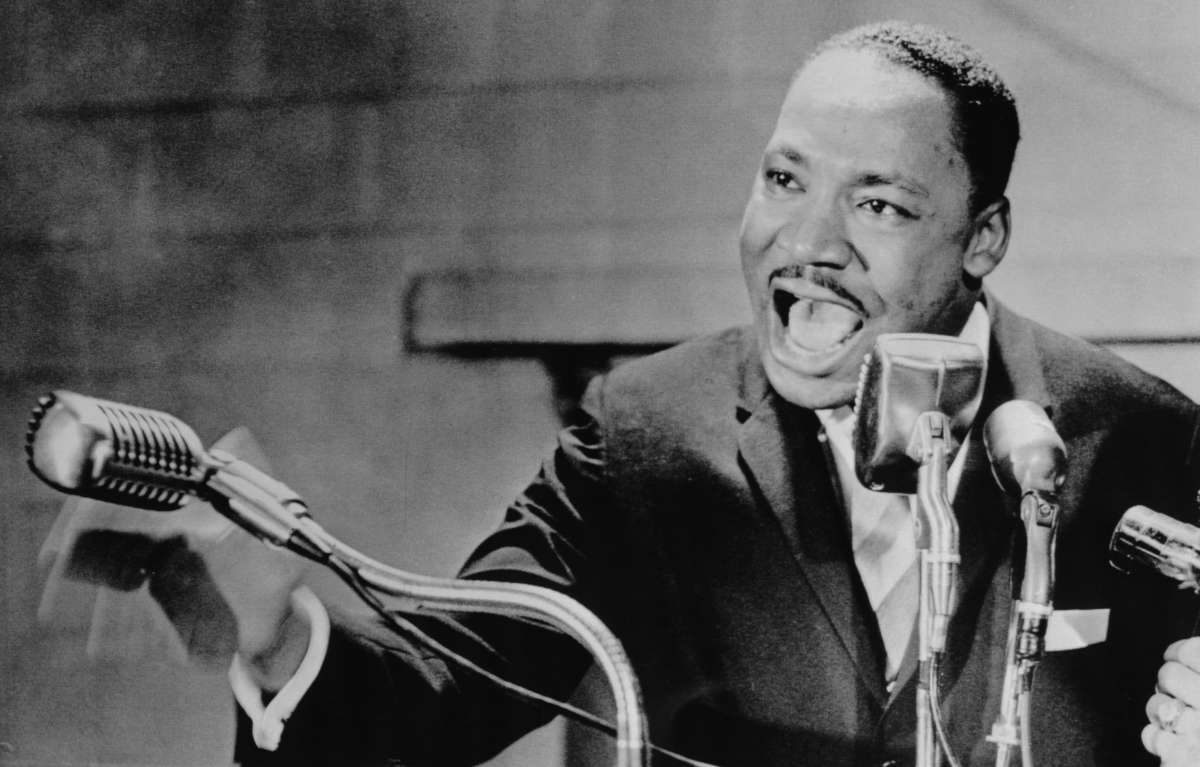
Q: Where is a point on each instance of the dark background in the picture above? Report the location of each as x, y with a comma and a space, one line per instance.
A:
214, 209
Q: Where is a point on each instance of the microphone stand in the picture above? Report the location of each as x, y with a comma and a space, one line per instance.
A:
425, 593
147, 459
275, 513
1027, 629
937, 548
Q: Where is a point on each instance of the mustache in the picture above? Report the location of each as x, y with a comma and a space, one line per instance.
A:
820, 278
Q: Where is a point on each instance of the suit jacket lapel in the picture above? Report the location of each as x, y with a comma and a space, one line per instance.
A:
783, 451
788, 462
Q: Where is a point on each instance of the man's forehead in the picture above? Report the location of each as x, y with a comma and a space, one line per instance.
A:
867, 106
860, 77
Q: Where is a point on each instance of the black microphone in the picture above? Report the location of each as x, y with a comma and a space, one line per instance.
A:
907, 375
147, 459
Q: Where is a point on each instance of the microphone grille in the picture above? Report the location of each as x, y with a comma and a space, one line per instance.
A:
147, 442
1024, 449
1147, 538
111, 452
35, 421
904, 376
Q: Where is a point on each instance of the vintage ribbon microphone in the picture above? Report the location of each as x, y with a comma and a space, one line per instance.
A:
916, 397
1029, 461
151, 460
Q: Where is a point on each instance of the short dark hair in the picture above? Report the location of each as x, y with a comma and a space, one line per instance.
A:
986, 129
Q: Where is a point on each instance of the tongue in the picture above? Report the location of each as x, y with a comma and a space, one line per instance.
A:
819, 325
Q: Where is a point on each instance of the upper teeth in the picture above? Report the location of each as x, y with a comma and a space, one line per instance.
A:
819, 325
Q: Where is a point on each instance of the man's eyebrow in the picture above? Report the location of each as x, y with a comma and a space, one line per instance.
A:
892, 179
789, 153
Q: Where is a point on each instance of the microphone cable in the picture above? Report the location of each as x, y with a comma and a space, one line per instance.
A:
935, 706
1025, 705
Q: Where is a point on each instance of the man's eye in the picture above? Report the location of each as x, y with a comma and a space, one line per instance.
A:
782, 179
885, 209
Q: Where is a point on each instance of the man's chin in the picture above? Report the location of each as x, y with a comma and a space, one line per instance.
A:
814, 392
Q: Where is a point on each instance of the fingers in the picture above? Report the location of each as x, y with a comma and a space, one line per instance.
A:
1175, 749
1185, 651
1173, 733
1163, 711
1158, 741
1171, 714
1151, 737
1179, 676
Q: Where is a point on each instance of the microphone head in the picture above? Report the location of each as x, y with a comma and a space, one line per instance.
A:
1024, 449
1144, 538
906, 375
111, 452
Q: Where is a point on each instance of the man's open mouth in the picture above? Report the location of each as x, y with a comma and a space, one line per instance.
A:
815, 325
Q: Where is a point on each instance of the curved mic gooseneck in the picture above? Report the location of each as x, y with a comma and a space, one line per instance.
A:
151, 460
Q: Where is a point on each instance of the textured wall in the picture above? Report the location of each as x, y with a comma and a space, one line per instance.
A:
211, 208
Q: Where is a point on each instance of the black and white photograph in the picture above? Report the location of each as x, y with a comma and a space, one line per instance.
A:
536, 383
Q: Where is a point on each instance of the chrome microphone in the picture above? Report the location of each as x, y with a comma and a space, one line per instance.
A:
917, 394
907, 375
1026, 453
147, 459
115, 453
1147, 538
1029, 461
151, 460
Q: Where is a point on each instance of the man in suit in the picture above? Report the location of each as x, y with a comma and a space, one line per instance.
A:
704, 503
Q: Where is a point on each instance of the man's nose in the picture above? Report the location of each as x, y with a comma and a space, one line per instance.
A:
815, 233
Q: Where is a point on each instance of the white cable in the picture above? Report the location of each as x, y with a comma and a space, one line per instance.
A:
268, 720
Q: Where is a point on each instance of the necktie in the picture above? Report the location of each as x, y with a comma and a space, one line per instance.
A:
885, 554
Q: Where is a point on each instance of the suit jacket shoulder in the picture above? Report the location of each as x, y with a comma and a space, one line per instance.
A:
1091, 387
684, 400
715, 368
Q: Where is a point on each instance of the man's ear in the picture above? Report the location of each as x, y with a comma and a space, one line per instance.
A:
989, 239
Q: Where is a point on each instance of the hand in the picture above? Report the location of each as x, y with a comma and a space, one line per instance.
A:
1173, 734
219, 587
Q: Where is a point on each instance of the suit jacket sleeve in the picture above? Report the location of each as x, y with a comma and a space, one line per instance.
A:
380, 698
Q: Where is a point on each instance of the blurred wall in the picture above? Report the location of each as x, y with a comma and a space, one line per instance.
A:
211, 208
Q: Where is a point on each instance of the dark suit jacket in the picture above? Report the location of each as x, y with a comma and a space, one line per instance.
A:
694, 511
